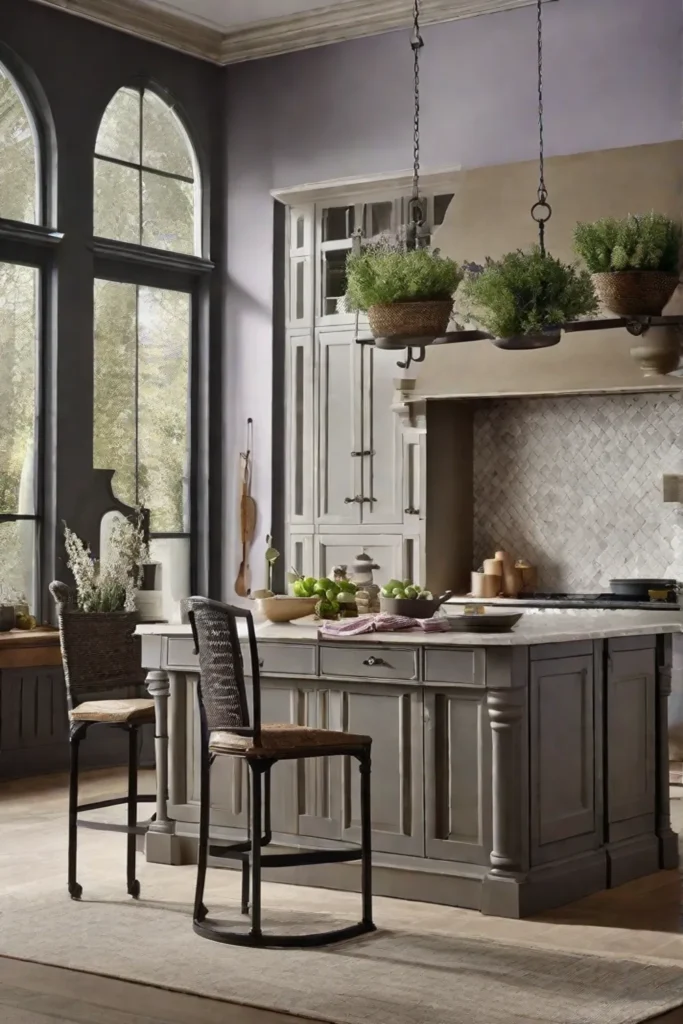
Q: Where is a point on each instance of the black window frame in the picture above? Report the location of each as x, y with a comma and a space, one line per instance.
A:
141, 265
35, 245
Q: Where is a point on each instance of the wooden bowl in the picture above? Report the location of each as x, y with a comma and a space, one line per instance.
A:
282, 608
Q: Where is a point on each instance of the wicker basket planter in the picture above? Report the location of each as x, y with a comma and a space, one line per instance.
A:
97, 647
415, 319
635, 292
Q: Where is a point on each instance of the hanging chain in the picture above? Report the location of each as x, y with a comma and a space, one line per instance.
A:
416, 219
541, 211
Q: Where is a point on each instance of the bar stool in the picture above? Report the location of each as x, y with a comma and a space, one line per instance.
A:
226, 731
100, 655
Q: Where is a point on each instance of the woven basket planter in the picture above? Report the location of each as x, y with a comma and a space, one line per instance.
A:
635, 292
98, 648
417, 319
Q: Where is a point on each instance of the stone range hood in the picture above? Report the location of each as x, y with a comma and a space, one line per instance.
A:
489, 215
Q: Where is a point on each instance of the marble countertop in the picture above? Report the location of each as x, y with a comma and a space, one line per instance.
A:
535, 627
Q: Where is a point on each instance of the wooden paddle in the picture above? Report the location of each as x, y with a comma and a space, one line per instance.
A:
247, 515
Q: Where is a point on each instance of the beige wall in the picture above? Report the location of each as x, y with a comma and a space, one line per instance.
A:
489, 216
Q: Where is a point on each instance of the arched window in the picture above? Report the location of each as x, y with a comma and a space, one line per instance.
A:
21, 263
19, 155
146, 181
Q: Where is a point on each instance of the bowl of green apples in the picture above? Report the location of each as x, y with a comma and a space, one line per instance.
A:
332, 599
403, 597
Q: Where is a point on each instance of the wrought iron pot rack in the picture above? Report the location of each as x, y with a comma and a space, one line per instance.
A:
637, 327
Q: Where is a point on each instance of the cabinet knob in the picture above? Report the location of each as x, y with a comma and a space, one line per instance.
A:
410, 511
372, 661
359, 455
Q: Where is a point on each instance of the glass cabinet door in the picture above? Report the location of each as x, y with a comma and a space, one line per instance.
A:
336, 225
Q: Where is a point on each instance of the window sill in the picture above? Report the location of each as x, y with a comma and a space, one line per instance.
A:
30, 648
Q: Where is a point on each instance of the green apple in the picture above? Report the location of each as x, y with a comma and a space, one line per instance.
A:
299, 589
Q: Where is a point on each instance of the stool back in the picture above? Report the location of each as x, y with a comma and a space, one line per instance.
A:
100, 652
221, 683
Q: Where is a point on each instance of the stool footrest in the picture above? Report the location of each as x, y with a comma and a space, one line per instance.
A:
241, 851
115, 802
103, 826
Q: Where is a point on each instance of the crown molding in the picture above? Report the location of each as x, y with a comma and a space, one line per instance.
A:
339, 22
362, 189
151, 23
334, 23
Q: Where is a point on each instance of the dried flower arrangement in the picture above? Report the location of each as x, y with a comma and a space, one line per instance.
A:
109, 584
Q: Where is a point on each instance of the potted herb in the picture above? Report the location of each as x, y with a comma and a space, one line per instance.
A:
635, 261
524, 297
406, 292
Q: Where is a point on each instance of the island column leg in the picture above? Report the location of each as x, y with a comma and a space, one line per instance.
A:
162, 845
668, 840
502, 888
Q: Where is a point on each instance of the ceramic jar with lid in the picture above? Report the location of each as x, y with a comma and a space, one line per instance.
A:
367, 598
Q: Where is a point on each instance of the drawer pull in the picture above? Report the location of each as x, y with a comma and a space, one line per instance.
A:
353, 501
359, 455
410, 511
372, 661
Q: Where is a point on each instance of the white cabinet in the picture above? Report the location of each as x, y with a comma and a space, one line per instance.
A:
339, 430
382, 442
299, 292
342, 549
300, 428
360, 456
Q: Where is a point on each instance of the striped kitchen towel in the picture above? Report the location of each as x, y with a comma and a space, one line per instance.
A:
383, 623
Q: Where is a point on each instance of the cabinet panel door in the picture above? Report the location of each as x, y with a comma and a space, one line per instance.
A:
339, 414
457, 776
631, 696
299, 298
319, 778
300, 553
280, 704
564, 805
392, 715
382, 438
414, 477
300, 430
342, 549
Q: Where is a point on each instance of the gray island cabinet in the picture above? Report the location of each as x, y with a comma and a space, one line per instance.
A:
510, 773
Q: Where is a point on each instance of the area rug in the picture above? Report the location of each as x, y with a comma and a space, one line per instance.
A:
425, 964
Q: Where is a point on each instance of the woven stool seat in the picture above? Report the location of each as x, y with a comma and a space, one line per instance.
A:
283, 741
133, 709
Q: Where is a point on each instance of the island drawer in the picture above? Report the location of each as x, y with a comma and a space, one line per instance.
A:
282, 659
368, 662
458, 666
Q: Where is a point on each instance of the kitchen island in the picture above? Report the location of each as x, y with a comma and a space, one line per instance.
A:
511, 773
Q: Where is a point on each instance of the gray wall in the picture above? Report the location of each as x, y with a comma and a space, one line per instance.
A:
613, 78
575, 486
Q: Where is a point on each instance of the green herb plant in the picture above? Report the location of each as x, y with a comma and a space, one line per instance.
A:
525, 292
385, 273
648, 241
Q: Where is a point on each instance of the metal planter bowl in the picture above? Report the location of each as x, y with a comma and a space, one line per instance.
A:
414, 608
521, 342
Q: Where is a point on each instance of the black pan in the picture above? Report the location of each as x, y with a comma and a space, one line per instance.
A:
639, 589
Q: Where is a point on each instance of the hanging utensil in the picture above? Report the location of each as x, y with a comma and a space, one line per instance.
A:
248, 514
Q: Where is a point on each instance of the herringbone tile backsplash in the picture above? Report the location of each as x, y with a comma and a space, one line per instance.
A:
575, 486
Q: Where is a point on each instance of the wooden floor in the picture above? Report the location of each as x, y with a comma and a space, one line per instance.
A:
34, 994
